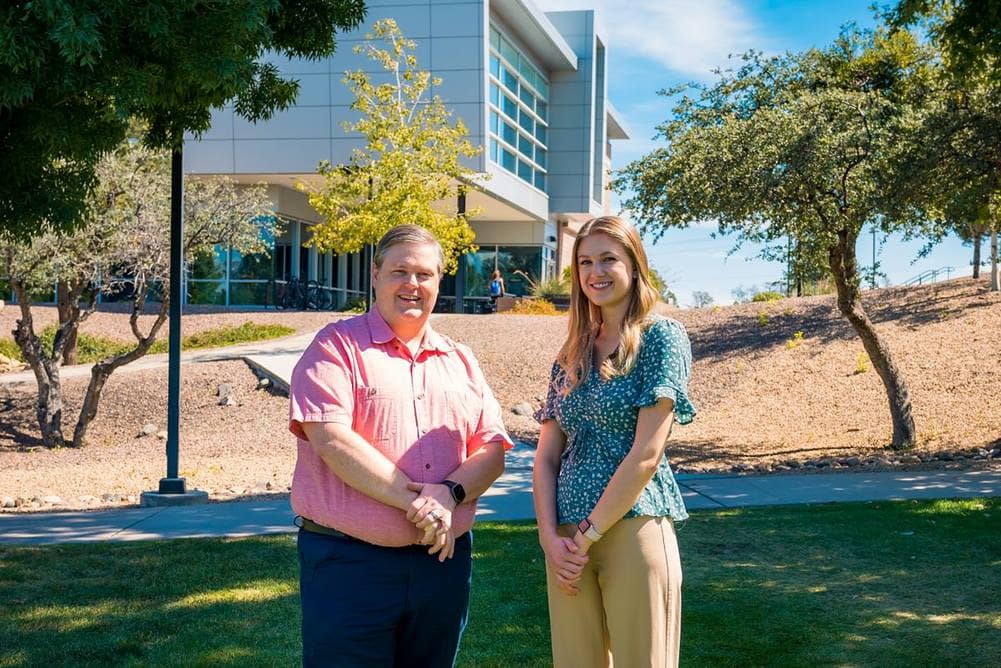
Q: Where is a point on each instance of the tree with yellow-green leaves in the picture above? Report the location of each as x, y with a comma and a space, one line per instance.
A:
409, 171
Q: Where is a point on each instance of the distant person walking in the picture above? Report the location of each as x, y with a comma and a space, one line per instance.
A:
496, 288
605, 497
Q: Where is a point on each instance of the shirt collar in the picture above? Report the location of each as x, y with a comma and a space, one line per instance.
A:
382, 333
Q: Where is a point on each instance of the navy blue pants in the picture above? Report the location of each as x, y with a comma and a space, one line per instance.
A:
365, 605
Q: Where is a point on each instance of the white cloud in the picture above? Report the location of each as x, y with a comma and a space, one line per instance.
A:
688, 36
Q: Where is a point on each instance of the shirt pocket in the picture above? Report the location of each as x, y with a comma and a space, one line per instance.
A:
377, 418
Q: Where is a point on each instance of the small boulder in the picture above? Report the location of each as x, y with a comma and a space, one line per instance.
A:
162, 434
524, 408
224, 390
52, 500
8, 502
149, 429
228, 400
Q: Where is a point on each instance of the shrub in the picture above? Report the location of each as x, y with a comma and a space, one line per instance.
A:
767, 296
797, 339
89, 348
762, 318
9, 349
551, 287
861, 364
533, 307
354, 305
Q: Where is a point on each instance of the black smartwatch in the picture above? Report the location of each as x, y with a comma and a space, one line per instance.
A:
457, 490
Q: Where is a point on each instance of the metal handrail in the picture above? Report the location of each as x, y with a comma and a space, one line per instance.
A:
931, 274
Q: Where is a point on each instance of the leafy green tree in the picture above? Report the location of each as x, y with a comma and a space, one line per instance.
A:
792, 146
73, 72
969, 31
123, 247
409, 171
949, 170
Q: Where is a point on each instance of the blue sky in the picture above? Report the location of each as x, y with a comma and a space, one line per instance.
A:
655, 44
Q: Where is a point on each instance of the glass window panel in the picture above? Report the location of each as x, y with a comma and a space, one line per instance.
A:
495, 38
494, 150
542, 89
541, 108
508, 160
209, 264
526, 259
540, 132
495, 94
510, 80
526, 70
479, 269
206, 292
527, 97
526, 122
525, 146
525, 170
510, 107
494, 123
540, 180
495, 66
540, 156
507, 50
510, 134
247, 294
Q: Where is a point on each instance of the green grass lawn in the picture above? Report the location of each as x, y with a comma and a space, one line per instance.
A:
879, 584
95, 348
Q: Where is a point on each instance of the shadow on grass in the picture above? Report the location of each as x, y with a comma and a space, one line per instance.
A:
889, 584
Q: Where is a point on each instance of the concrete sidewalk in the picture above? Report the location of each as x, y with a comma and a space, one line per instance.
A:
509, 499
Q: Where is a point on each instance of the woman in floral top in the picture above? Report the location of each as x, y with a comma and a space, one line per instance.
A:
605, 497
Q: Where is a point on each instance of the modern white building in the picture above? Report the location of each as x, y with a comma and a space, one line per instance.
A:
530, 86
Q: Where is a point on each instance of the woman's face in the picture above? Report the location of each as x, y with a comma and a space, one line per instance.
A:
605, 270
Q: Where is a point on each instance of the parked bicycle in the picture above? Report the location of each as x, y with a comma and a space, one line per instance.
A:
300, 295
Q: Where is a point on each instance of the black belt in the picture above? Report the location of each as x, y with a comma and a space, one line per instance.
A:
313, 527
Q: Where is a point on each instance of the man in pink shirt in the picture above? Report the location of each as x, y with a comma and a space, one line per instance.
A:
399, 434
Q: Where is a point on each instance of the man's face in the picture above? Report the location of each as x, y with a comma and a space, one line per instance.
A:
406, 287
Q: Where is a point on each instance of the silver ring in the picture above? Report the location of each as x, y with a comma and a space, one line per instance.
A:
434, 515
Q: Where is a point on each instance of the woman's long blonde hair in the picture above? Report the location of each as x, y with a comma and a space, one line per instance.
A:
585, 318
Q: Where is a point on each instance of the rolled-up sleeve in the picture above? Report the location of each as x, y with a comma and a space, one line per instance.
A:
490, 425
322, 385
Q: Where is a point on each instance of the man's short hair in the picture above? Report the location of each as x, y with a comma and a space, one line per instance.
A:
407, 234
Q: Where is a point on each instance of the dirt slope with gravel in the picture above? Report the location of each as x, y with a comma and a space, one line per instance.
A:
767, 397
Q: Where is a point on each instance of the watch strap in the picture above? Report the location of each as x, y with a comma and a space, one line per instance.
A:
456, 489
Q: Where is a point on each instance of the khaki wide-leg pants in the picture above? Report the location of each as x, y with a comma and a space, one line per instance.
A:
628, 608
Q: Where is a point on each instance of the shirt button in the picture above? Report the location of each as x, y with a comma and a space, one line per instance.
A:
427, 466
420, 396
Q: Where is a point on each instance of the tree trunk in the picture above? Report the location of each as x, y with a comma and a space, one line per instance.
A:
976, 255
49, 409
995, 276
69, 312
101, 371
846, 279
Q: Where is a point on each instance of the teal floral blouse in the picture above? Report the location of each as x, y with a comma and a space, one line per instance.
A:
599, 419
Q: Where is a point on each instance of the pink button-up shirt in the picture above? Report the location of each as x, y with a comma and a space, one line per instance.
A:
426, 414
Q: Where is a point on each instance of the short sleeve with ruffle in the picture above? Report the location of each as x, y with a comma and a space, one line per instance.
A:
665, 365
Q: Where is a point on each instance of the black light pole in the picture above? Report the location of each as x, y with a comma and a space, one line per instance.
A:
173, 484
460, 272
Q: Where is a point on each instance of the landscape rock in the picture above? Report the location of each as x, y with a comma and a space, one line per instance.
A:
162, 434
910, 459
228, 400
111, 498
524, 408
263, 383
149, 429
52, 500
8, 502
224, 390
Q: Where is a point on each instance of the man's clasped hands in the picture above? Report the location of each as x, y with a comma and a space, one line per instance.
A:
431, 512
